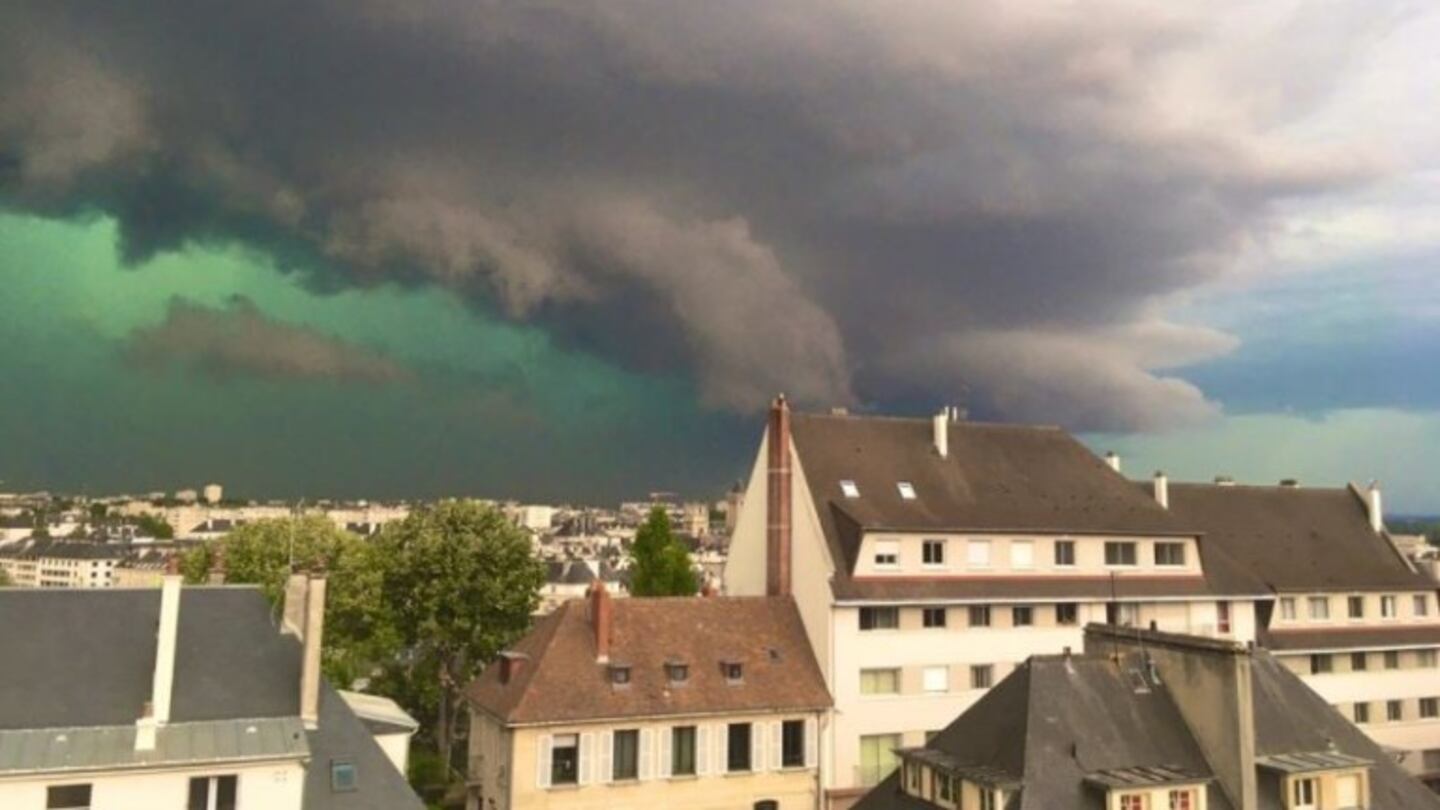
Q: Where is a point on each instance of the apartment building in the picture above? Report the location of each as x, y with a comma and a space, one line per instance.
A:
1352, 615
706, 703
169, 698
1145, 720
931, 557
43, 563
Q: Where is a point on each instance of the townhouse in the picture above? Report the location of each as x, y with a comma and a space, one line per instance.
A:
706, 703
1146, 720
931, 557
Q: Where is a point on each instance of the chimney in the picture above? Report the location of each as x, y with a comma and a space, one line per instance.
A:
1162, 489
941, 423
600, 620
1113, 460
313, 635
293, 621
708, 589
777, 506
1372, 506
157, 711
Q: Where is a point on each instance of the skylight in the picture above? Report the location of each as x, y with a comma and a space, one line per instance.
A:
848, 487
907, 490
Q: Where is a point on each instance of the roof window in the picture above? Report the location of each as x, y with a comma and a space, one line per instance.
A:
848, 487
620, 675
733, 671
677, 671
343, 778
907, 490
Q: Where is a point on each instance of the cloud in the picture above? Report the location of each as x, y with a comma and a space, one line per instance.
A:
759, 196
241, 341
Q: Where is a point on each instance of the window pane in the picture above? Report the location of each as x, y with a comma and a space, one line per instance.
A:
67, 796
625, 755
738, 747
879, 681
1022, 616
979, 616
225, 790
1064, 552
565, 759
792, 744
934, 617
199, 793
877, 757
1119, 553
1067, 613
682, 751
342, 776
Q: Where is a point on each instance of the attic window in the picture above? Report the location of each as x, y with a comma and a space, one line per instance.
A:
734, 672
620, 675
848, 487
907, 490
342, 776
677, 671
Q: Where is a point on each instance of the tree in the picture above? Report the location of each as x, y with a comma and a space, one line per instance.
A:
155, 526
659, 563
4, 578
459, 582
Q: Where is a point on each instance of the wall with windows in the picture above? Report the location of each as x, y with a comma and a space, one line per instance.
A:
1309, 611
1178, 797
633, 764
891, 554
273, 786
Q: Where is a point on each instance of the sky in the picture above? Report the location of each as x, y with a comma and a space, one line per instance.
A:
567, 251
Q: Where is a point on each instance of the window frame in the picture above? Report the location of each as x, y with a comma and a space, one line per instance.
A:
1025, 611
739, 743
1389, 606
876, 611
1354, 607
1121, 547
1394, 711
1429, 708
1360, 712
1164, 548
1420, 604
1288, 609
57, 793
1063, 555
625, 756
1361, 658
1073, 608
874, 677
683, 758
886, 554
849, 489
792, 731
928, 615
557, 777
1392, 659
978, 611
906, 490
982, 676
1323, 603
936, 559
1321, 663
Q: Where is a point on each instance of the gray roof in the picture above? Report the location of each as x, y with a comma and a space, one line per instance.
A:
85, 658
1311, 762
35, 549
1352, 638
55, 750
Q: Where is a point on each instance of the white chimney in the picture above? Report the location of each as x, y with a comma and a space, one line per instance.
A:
314, 634
294, 606
1162, 489
1113, 460
157, 712
941, 423
1372, 505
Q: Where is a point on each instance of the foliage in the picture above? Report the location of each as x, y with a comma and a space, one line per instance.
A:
155, 526
4, 578
1430, 527
659, 563
459, 582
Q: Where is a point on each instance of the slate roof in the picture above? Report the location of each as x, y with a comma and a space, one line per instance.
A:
51, 750
35, 549
1295, 539
1352, 638
561, 681
85, 658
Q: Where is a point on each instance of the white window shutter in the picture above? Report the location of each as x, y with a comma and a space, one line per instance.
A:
665, 756
812, 742
702, 750
542, 760
758, 738
647, 753
777, 745
719, 750
606, 762
587, 758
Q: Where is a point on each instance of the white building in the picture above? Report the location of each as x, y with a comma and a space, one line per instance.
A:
930, 557
215, 709
60, 564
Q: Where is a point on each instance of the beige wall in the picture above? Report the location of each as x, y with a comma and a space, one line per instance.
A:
273, 786
1089, 555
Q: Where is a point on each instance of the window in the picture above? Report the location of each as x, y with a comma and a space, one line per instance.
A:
1361, 712
1067, 613
1169, 553
1356, 607
944, 786
1302, 793
879, 681
935, 679
879, 618
342, 780
933, 617
1359, 661
1022, 616
982, 676
1387, 607
1392, 659
792, 744
1119, 553
912, 774
619, 674
887, 554
1429, 708
877, 757
1064, 553
1321, 663
1182, 799
1422, 605
979, 615
67, 797
932, 552
565, 759
1122, 614
682, 751
849, 489
977, 553
1319, 607
1132, 801
1393, 711
1425, 658
1287, 608
625, 755
987, 799
1222, 616
677, 672
1022, 554
766, 804
733, 671
907, 490
737, 748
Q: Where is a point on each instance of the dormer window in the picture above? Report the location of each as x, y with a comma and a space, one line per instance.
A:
677, 672
849, 489
619, 675
907, 490
733, 671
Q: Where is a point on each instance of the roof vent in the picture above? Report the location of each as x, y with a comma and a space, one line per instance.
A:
1290, 483
849, 488
1224, 481
1113, 460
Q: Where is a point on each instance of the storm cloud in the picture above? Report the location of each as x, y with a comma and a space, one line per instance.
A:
851, 202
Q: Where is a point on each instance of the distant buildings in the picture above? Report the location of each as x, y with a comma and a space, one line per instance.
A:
697, 703
60, 563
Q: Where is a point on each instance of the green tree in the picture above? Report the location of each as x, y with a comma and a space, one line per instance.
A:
459, 582
4, 578
659, 563
357, 637
155, 526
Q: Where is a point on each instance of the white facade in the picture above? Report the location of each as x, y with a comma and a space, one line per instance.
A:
266, 786
59, 572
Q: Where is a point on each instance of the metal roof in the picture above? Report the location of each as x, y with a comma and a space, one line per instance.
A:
1310, 762
53, 750
1145, 776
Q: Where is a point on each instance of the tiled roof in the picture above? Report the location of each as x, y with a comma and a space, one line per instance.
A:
560, 679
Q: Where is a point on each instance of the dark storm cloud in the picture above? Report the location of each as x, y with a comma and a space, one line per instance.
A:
849, 202
240, 340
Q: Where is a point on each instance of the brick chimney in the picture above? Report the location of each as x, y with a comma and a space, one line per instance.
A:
777, 504
600, 620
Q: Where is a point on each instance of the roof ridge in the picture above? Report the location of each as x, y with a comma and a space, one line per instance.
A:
881, 417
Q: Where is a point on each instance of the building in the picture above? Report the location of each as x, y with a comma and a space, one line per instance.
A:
571, 579
1150, 721
706, 703
171, 697
60, 564
929, 557
1351, 614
